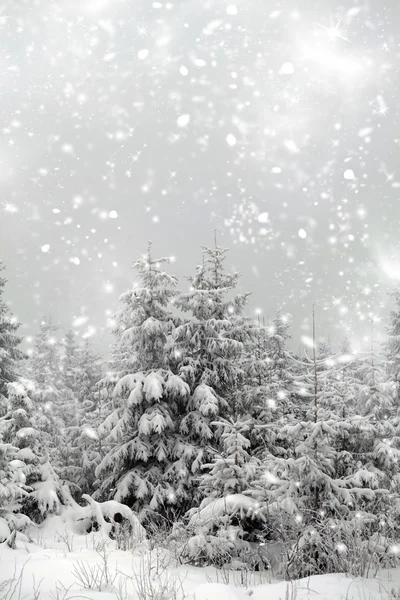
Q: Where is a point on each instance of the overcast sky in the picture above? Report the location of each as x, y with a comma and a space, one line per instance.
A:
274, 123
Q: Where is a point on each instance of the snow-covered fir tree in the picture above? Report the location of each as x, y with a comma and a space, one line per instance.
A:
68, 458
84, 436
377, 393
78, 410
44, 372
233, 468
378, 431
226, 516
280, 371
392, 347
324, 349
12, 488
10, 354
146, 466
208, 348
43, 491
317, 491
267, 388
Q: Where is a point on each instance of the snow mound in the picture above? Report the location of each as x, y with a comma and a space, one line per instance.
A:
105, 516
234, 503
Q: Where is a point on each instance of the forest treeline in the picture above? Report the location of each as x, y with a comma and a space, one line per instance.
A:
205, 422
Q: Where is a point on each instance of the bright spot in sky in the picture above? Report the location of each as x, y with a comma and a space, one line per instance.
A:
343, 66
263, 217
68, 148
291, 146
183, 120
89, 332
381, 107
390, 268
79, 321
348, 174
184, 71
142, 54
45, 248
307, 341
286, 69
10, 208
94, 6
302, 234
231, 140
75, 260
231, 10
113, 214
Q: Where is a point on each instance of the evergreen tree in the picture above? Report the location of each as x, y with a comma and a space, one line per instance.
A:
207, 349
256, 398
45, 375
84, 436
226, 518
280, 376
377, 393
232, 470
12, 488
392, 349
317, 491
378, 431
146, 465
68, 456
10, 355
78, 409
45, 363
70, 363
324, 350
43, 491
267, 390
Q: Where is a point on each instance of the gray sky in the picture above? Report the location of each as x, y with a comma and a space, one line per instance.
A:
128, 120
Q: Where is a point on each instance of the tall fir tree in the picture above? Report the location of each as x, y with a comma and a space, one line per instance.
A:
82, 436
68, 456
208, 349
392, 348
10, 354
44, 370
146, 465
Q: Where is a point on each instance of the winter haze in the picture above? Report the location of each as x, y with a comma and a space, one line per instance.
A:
274, 123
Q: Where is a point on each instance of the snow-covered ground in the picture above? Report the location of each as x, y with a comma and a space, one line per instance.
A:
56, 559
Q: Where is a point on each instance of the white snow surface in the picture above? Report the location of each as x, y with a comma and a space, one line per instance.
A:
222, 506
45, 557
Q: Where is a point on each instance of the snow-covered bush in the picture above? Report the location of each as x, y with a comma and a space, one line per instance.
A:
12, 488
219, 531
45, 493
111, 518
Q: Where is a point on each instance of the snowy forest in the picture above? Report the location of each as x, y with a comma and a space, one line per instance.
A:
205, 432
213, 414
